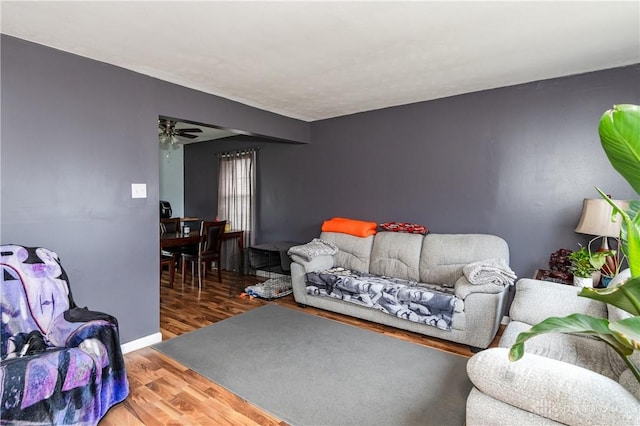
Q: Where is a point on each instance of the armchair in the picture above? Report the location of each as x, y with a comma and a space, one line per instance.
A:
59, 364
562, 379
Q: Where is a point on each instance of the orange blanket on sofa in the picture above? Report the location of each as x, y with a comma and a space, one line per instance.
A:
358, 228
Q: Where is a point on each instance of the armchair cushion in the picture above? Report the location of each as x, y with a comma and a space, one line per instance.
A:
628, 380
536, 300
547, 387
583, 351
570, 379
80, 372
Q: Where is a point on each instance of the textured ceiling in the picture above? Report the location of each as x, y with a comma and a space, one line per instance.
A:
316, 60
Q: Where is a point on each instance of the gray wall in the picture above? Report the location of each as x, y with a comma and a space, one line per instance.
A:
514, 161
201, 177
75, 134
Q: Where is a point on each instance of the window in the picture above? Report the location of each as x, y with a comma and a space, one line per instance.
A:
236, 191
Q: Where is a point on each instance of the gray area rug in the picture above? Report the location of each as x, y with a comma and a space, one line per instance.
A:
308, 370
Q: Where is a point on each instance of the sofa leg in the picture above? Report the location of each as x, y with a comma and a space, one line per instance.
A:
302, 305
475, 349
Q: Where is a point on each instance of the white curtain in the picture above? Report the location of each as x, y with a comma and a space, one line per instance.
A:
236, 195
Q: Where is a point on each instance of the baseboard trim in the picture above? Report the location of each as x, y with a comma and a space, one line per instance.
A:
142, 342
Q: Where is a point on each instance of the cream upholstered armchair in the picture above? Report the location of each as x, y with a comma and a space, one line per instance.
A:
562, 379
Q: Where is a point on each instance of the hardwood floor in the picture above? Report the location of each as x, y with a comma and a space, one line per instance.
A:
164, 392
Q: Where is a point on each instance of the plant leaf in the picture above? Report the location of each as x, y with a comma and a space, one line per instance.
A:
633, 212
599, 258
619, 131
625, 296
630, 231
574, 323
627, 332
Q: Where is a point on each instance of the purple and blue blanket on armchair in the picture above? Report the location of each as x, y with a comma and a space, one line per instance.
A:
60, 364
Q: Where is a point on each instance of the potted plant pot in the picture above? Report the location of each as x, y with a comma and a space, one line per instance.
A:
582, 281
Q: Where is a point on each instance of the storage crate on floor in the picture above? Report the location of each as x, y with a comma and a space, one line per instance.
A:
270, 260
273, 288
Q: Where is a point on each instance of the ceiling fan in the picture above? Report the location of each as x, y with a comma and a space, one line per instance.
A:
167, 132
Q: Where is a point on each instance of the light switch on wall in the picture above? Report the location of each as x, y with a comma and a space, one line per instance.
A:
138, 190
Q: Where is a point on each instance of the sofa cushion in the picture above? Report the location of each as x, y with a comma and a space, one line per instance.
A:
444, 255
396, 255
353, 252
431, 305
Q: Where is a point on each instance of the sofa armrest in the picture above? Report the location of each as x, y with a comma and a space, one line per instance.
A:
318, 263
78, 324
300, 266
463, 288
536, 300
553, 389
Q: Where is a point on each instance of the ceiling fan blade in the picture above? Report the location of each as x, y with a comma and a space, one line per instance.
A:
194, 130
187, 135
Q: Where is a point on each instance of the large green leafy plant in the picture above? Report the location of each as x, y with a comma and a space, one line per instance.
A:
620, 136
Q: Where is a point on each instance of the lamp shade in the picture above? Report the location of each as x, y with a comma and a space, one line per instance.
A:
596, 217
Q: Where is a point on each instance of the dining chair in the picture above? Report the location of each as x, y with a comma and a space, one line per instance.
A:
209, 250
168, 226
170, 261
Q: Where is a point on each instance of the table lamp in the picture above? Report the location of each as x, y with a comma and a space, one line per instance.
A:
596, 219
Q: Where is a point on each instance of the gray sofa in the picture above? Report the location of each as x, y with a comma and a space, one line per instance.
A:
562, 379
435, 259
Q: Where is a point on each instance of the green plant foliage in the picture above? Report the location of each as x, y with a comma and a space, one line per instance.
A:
585, 263
627, 332
625, 296
630, 232
619, 131
581, 263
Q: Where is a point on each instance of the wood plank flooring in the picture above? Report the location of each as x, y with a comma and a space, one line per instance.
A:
164, 392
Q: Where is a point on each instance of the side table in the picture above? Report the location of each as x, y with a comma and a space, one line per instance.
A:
553, 276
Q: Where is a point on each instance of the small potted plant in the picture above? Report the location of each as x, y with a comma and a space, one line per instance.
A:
584, 264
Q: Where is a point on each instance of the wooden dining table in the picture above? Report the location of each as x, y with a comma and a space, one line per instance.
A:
179, 239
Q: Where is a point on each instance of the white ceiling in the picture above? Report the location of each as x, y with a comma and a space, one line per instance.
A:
316, 60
